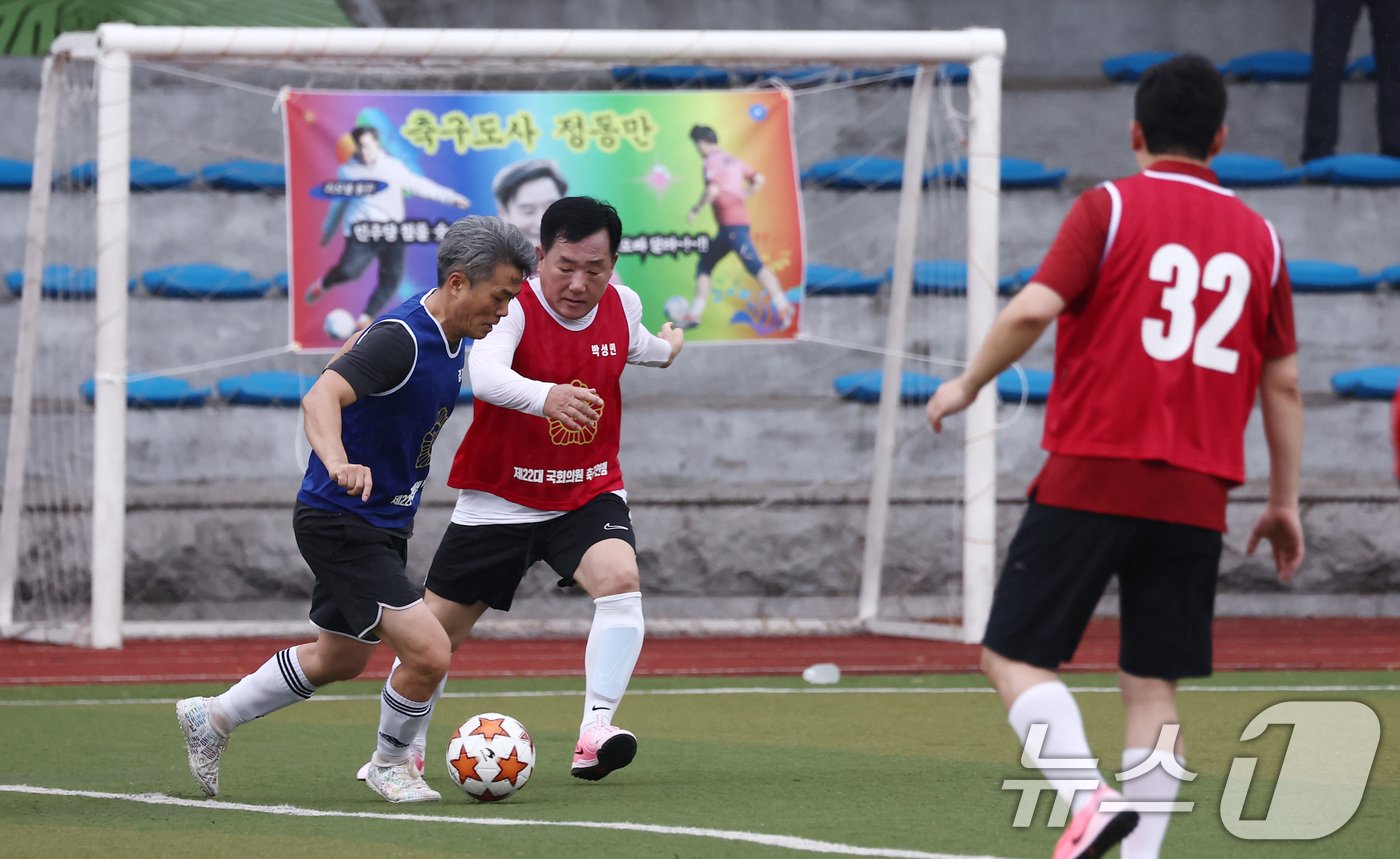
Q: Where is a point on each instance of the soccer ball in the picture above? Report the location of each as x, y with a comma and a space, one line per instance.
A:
676, 308
490, 757
340, 324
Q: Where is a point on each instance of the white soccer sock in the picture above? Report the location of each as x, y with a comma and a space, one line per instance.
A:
614, 642
400, 721
1051, 704
697, 307
1155, 785
420, 742
279, 682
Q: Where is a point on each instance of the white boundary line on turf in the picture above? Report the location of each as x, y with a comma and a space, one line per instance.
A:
787, 842
721, 690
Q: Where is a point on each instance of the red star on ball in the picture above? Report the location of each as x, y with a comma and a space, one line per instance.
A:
489, 729
511, 768
465, 765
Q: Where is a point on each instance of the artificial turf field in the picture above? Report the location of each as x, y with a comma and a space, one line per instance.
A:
756, 767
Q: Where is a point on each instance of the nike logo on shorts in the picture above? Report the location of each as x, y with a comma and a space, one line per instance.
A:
608, 526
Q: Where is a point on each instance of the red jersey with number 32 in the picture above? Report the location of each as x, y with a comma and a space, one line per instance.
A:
536, 461
1160, 357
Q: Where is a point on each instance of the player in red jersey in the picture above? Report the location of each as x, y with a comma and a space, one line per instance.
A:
538, 470
1174, 308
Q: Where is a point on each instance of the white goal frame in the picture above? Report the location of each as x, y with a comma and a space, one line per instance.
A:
114, 46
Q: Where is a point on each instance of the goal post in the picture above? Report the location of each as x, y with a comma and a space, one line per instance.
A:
114, 48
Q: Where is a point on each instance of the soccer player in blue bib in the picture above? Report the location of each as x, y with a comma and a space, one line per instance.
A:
372, 418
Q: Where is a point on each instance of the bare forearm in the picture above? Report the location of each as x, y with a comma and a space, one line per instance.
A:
1281, 403
322, 418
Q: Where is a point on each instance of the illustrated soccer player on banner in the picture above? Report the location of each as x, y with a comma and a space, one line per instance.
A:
372, 418
728, 183
1174, 308
538, 470
370, 222
523, 191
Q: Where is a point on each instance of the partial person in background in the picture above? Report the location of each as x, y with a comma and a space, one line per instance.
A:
538, 470
371, 221
728, 183
1334, 21
524, 190
1174, 309
372, 418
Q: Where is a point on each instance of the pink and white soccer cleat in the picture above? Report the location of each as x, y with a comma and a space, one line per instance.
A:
1092, 833
601, 749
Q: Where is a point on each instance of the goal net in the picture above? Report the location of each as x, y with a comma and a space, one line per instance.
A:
150, 469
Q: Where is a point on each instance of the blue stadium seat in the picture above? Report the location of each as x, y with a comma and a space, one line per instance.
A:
864, 386
244, 175
1354, 168
1238, 170
1309, 275
1392, 275
157, 392
1364, 67
1269, 66
16, 175
957, 73
204, 281
1012, 283
265, 388
937, 277
1128, 68
856, 172
670, 77
145, 175
794, 76
281, 283
1367, 383
1036, 387
833, 280
1015, 173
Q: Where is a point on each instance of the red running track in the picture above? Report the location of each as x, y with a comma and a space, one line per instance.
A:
1337, 644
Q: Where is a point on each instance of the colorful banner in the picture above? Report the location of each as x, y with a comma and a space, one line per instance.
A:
375, 178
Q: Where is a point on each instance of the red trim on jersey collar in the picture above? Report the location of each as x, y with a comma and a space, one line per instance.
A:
1170, 165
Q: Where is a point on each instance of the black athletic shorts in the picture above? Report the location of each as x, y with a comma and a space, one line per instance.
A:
1059, 563
359, 570
486, 563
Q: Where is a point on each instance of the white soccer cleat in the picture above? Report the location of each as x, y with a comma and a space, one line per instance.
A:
415, 754
203, 743
401, 782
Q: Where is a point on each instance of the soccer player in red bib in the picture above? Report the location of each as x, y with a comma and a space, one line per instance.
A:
1174, 309
538, 470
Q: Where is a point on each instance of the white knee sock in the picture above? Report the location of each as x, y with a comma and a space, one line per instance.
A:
1051, 704
279, 682
400, 721
420, 742
614, 642
1155, 785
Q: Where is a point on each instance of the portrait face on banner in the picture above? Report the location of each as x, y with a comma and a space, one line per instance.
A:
375, 178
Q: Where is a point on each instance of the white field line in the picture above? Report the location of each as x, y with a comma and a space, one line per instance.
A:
721, 690
787, 842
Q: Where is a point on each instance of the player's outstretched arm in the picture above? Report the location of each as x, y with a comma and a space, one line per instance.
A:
673, 336
1013, 333
1281, 403
321, 408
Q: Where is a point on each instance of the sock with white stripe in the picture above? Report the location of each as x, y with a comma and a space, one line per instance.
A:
277, 683
400, 720
614, 643
1051, 704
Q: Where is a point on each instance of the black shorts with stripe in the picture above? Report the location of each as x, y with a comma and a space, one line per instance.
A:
486, 563
1058, 566
359, 570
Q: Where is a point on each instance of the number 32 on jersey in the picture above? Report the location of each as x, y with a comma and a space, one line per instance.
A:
1177, 267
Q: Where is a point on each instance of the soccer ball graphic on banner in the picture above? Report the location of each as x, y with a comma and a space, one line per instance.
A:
491, 756
676, 308
340, 324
